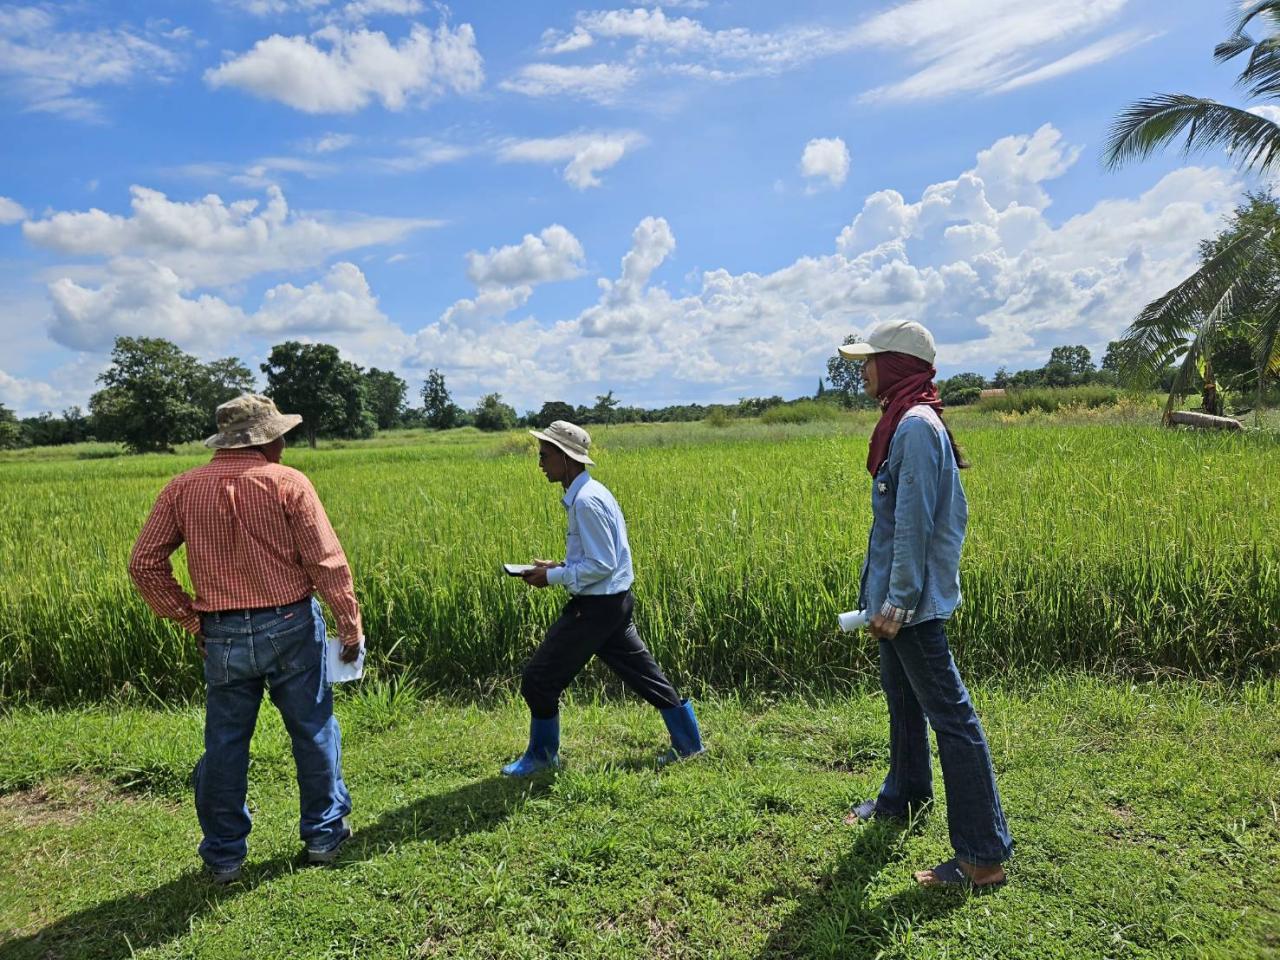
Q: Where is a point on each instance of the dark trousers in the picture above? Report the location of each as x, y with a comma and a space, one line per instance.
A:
923, 689
599, 625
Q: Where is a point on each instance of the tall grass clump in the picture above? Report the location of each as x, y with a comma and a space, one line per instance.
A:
802, 411
1050, 399
1103, 546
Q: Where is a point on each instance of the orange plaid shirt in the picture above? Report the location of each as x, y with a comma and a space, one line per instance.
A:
256, 535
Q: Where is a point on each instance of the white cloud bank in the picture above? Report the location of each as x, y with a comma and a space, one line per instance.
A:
165, 270
975, 258
209, 242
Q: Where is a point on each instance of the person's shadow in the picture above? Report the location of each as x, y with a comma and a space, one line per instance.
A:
118, 928
836, 918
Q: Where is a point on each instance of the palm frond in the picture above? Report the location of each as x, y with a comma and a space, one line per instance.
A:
1147, 125
1261, 75
1266, 342
1232, 47
1163, 329
1258, 8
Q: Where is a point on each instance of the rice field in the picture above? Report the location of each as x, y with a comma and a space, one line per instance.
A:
1107, 546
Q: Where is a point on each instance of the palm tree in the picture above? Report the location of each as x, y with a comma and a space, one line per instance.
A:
1235, 287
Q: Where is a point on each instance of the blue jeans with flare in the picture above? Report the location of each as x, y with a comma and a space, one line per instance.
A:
923, 689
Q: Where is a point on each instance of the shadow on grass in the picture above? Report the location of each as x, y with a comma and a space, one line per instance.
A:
120, 927
837, 918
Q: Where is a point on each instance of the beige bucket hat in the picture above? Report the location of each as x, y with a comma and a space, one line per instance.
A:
249, 420
894, 336
570, 438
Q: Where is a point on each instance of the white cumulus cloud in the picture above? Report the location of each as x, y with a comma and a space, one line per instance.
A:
826, 159
554, 254
339, 71
11, 211
143, 298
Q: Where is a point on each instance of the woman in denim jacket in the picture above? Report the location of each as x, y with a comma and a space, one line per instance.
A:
911, 586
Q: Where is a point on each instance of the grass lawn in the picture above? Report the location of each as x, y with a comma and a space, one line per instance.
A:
1145, 816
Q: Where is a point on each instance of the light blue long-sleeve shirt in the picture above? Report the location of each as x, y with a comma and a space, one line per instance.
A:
918, 518
597, 557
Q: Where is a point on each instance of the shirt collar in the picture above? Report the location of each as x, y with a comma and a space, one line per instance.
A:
575, 488
238, 453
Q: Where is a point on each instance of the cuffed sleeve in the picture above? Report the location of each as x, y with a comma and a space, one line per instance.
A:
896, 614
151, 570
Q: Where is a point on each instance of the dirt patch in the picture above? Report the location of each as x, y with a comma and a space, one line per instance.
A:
60, 802
1122, 812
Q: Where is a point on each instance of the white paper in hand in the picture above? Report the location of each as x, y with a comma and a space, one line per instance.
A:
340, 672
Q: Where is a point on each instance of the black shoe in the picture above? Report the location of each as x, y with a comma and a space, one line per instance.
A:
222, 875
324, 855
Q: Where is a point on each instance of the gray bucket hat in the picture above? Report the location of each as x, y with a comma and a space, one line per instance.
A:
250, 420
570, 438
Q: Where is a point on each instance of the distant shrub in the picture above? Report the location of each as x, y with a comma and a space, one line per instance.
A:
803, 411
962, 397
718, 418
1050, 399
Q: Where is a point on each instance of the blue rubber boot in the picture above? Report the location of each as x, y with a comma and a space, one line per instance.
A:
686, 740
543, 752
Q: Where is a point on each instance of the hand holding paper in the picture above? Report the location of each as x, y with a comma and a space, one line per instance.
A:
339, 670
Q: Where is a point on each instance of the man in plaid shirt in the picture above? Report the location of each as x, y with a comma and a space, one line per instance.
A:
258, 544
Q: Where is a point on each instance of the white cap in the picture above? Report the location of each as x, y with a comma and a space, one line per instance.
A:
894, 336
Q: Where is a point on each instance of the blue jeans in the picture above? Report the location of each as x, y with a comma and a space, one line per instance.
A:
921, 684
283, 650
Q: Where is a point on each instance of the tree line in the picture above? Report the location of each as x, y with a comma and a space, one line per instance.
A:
154, 396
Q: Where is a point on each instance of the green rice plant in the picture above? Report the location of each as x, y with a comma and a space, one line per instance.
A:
1108, 546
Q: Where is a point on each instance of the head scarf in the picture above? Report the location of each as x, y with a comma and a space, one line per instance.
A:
903, 381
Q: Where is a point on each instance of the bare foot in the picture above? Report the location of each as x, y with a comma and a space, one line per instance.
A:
978, 876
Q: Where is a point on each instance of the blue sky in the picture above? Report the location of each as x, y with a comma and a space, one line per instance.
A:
679, 202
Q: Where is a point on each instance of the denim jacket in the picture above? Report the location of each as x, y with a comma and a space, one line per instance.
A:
911, 572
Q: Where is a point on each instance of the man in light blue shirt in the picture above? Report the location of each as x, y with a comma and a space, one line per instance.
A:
597, 619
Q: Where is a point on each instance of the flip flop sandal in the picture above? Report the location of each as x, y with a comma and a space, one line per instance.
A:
950, 875
861, 813
867, 811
